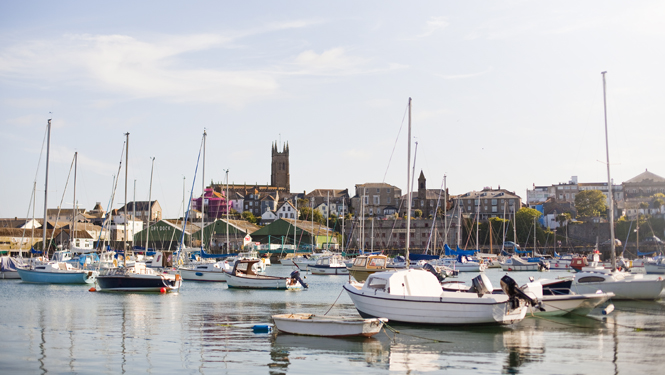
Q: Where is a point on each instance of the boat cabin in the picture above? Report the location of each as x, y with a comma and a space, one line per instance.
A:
246, 267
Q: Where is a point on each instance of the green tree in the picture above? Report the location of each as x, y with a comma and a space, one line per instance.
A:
525, 218
590, 203
418, 213
247, 215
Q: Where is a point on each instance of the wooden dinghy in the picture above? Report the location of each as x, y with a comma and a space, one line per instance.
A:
324, 325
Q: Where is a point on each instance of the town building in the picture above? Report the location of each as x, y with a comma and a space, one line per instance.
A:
329, 201
374, 199
489, 203
142, 210
428, 201
639, 192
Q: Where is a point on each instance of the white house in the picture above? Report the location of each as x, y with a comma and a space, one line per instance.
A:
287, 211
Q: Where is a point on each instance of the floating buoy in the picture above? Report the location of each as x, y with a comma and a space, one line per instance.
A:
163, 290
92, 289
262, 328
608, 309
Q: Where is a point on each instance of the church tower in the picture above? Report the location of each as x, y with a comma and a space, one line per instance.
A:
422, 186
280, 176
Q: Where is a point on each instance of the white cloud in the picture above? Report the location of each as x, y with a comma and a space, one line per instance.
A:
464, 76
434, 24
126, 65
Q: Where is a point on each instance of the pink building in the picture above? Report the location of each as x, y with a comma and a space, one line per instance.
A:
215, 204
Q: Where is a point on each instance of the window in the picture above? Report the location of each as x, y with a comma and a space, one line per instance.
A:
493, 202
493, 208
477, 202
388, 200
378, 190
388, 190
376, 200
366, 200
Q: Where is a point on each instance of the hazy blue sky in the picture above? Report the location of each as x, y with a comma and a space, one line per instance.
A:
504, 93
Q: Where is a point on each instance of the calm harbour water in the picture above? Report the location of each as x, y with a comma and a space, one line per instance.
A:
207, 328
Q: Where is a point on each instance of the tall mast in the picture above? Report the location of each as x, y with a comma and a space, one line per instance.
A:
147, 236
134, 212
408, 190
328, 222
124, 247
227, 211
71, 230
609, 183
203, 189
48, 147
445, 213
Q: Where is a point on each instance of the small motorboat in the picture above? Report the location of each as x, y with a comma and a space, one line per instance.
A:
324, 325
365, 265
206, 271
516, 263
244, 276
329, 265
416, 296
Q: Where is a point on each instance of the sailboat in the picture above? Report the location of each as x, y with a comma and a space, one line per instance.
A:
137, 278
623, 285
416, 296
54, 272
205, 271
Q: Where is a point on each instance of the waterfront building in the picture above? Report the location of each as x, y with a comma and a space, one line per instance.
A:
489, 203
639, 192
144, 210
372, 199
329, 201
428, 201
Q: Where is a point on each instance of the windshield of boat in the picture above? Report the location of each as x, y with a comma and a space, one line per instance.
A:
360, 262
377, 262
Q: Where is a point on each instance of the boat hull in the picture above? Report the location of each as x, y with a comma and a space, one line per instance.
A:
517, 267
62, 277
10, 275
260, 282
199, 275
433, 310
578, 304
316, 270
330, 326
624, 289
138, 283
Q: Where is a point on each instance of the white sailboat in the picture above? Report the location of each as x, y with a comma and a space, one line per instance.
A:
416, 296
137, 278
55, 272
623, 285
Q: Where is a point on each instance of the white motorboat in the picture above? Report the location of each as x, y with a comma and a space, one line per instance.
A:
324, 325
556, 298
515, 263
329, 265
206, 271
655, 266
461, 264
416, 296
624, 285
57, 273
245, 276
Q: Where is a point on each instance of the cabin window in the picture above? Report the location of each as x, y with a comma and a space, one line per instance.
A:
377, 262
376, 283
360, 262
591, 279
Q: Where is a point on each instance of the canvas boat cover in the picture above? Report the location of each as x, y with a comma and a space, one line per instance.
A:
10, 264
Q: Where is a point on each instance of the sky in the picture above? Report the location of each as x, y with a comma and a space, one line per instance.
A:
504, 94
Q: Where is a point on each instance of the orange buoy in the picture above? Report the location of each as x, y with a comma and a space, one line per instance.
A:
163, 290
92, 289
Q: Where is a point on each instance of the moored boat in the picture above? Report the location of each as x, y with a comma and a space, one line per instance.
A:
206, 271
329, 265
515, 263
324, 325
365, 265
57, 273
416, 296
138, 278
244, 276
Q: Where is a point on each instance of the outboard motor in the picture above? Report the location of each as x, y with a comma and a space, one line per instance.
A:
481, 285
515, 294
295, 275
543, 266
433, 270
623, 266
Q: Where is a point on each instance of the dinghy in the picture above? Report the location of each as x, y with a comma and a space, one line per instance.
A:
324, 325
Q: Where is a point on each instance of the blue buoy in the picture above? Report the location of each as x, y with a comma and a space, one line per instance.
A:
262, 328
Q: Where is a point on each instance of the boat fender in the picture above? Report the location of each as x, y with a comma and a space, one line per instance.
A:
608, 309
